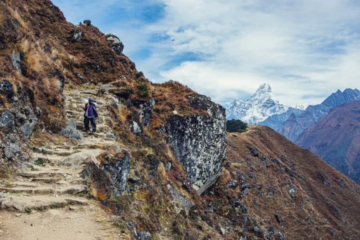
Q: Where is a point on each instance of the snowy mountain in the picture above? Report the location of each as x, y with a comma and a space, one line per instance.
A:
260, 106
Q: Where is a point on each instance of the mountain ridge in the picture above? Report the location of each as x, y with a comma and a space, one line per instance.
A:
258, 108
295, 125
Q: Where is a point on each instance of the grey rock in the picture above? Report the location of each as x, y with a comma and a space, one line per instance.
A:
257, 230
199, 142
278, 218
16, 61
119, 171
71, 132
7, 121
116, 44
146, 111
135, 127
334, 233
12, 150
232, 184
180, 198
134, 180
168, 169
139, 235
30, 122
222, 231
6, 88
76, 35
292, 192
79, 75
143, 236
272, 233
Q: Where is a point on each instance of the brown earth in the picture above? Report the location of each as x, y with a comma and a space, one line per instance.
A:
324, 202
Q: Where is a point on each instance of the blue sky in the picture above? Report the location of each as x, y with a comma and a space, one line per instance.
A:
305, 49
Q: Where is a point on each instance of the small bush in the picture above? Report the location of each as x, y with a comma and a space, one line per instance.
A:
143, 90
235, 126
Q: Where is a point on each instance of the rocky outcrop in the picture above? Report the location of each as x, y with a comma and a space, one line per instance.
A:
146, 111
6, 88
115, 43
109, 172
199, 142
76, 35
71, 132
16, 61
27, 121
7, 121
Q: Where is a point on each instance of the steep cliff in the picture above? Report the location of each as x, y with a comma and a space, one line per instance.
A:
336, 139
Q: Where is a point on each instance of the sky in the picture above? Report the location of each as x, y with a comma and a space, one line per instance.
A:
225, 49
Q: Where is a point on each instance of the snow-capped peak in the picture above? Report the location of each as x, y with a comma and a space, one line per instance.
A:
260, 106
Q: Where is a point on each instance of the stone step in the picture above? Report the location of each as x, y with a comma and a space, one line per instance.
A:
40, 174
38, 190
47, 180
39, 203
71, 190
22, 184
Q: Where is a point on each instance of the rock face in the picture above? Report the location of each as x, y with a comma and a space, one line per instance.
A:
260, 106
27, 121
199, 143
6, 88
115, 44
336, 139
119, 168
7, 121
71, 132
16, 60
296, 125
277, 120
146, 111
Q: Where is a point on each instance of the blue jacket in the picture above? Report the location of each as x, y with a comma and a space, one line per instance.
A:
90, 111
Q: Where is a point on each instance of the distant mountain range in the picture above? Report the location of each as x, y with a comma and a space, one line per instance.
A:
296, 124
259, 107
336, 139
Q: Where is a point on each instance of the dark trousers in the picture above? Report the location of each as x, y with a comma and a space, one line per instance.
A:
93, 123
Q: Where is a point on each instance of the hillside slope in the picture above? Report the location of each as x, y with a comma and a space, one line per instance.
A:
295, 125
336, 139
277, 186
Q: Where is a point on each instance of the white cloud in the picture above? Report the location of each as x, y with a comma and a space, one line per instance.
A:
304, 49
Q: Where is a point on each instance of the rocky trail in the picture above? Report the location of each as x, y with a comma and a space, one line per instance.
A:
48, 201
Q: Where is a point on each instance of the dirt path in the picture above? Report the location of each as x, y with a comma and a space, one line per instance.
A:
47, 202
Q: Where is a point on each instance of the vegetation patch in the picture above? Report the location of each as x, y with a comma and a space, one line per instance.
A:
235, 126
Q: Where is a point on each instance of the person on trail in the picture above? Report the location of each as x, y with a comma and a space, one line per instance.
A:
90, 115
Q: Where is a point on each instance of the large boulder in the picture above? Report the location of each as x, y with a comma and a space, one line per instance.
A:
71, 132
199, 142
109, 171
115, 43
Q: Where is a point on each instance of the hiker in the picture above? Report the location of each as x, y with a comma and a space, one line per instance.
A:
90, 115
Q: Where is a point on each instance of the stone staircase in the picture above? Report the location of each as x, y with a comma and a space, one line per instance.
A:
53, 180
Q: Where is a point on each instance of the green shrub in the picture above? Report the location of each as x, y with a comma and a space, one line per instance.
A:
235, 126
143, 90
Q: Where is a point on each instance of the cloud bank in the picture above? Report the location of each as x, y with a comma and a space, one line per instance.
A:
225, 49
